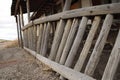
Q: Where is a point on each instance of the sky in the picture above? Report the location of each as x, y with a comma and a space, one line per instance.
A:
8, 29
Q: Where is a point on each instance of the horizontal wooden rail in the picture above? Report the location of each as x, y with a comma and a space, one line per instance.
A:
87, 11
64, 71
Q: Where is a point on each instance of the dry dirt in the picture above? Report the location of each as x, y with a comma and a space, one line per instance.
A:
17, 64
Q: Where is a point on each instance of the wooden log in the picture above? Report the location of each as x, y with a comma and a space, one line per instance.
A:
113, 61
94, 59
67, 5
86, 3
59, 32
26, 36
63, 41
43, 37
45, 45
40, 38
21, 13
87, 45
18, 33
21, 37
77, 41
69, 41
57, 39
87, 11
28, 9
64, 71
34, 37
29, 37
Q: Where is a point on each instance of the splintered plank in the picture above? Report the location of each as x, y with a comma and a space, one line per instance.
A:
113, 61
64, 39
86, 48
94, 59
77, 41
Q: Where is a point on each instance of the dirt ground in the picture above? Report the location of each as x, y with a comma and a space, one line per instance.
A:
17, 64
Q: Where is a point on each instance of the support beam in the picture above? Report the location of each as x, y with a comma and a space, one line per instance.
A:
97, 51
18, 31
21, 39
59, 33
113, 8
21, 13
113, 61
64, 71
28, 9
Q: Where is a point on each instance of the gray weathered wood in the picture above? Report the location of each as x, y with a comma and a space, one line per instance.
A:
43, 37
69, 41
94, 59
40, 38
21, 37
113, 61
87, 11
18, 33
59, 32
87, 45
34, 37
57, 39
67, 5
28, 9
64, 71
45, 45
77, 41
63, 41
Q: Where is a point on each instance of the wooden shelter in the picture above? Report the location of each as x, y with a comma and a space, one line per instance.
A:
79, 39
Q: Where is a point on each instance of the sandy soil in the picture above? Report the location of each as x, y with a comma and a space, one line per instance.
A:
17, 64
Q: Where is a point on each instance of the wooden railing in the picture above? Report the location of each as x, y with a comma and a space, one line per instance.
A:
56, 40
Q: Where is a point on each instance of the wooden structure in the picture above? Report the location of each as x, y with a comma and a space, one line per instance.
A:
73, 41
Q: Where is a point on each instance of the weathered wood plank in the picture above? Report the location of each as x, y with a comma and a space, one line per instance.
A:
59, 33
94, 59
34, 37
87, 45
64, 71
40, 38
57, 39
45, 45
87, 11
43, 37
77, 41
113, 61
69, 41
63, 41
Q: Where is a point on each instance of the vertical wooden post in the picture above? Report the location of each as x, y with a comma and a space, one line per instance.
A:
21, 40
69, 41
77, 41
45, 45
21, 13
39, 42
64, 39
59, 33
94, 59
18, 31
28, 9
87, 45
113, 61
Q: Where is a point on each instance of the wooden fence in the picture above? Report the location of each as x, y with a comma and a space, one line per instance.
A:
55, 40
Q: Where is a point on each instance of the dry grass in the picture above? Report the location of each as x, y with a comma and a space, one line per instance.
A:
10, 44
